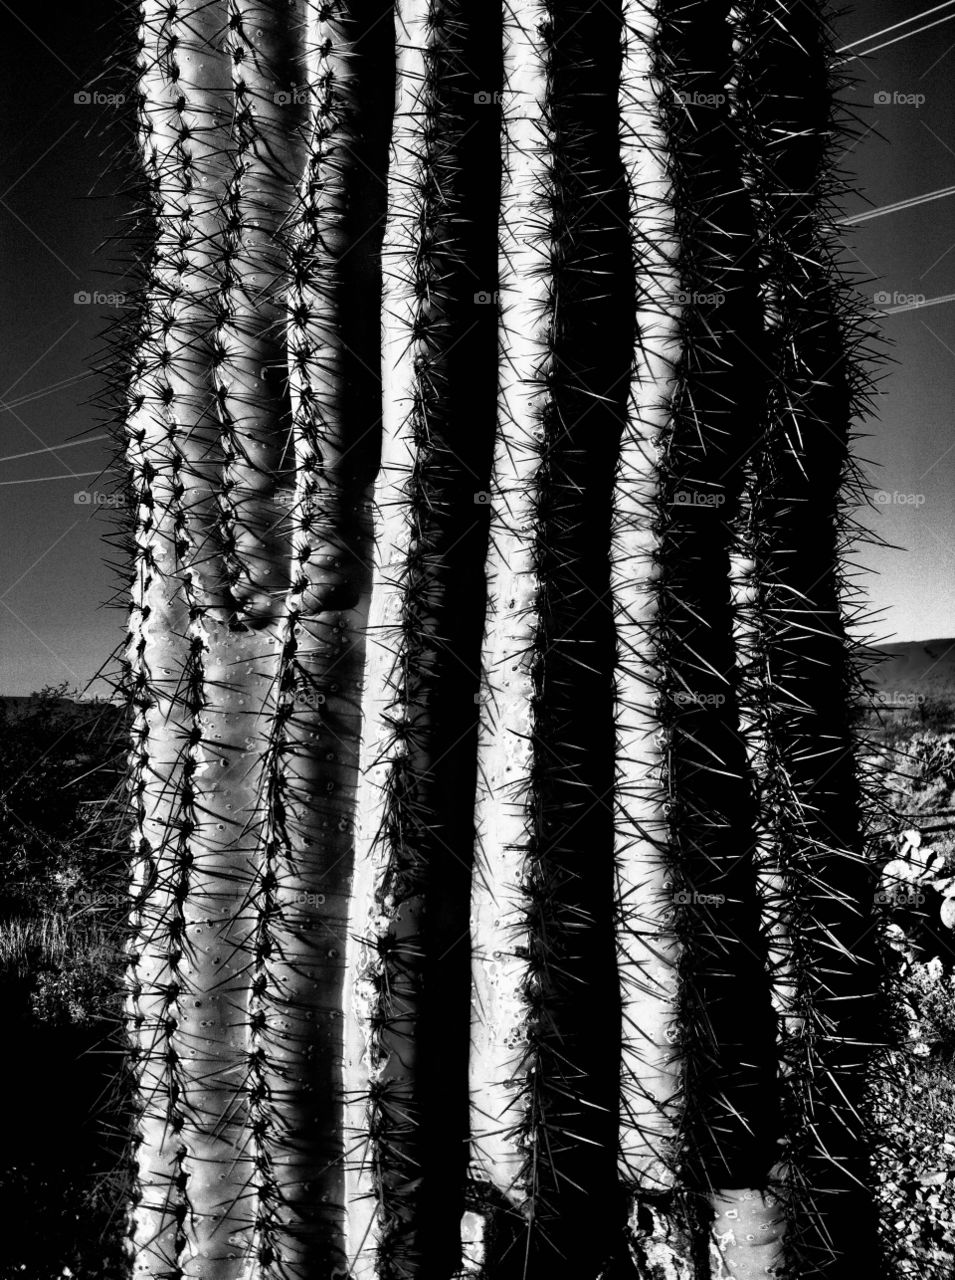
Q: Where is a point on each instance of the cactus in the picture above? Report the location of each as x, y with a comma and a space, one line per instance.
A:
246, 747
802, 485
406, 1073
500, 900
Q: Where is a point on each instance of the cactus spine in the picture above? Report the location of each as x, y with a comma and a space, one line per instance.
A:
246, 751
648, 959
410, 896
803, 481
569, 734
499, 1101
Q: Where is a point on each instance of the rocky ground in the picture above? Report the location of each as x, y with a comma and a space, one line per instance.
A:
914, 759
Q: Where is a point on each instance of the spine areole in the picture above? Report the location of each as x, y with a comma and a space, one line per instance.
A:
648, 959
501, 1072
386, 714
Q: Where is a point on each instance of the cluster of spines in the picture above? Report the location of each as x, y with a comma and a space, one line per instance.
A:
191, 247
296, 676
728, 1126
647, 876
250, 358
569, 388
503, 1060
418, 739
331, 232
400, 949
161, 707
805, 488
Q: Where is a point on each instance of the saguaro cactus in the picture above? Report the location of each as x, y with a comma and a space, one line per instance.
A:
250, 575
820, 907
499, 899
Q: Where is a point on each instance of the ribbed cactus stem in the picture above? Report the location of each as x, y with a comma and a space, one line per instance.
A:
160, 746
803, 482
772, 882
501, 1070
418, 741
314, 746
168, 433
390, 722
188, 107
251, 377
473, 1246
546, 1058
648, 952
239, 673
748, 1228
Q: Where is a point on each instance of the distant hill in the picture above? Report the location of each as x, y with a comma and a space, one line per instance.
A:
917, 670
914, 671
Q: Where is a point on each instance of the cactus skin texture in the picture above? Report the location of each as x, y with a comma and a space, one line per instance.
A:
244, 653
648, 959
545, 1063
406, 1069
803, 485
500, 907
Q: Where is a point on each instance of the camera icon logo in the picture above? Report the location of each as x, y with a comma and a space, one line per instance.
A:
485, 298
882, 98
482, 498
683, 897
82, 498
83, 98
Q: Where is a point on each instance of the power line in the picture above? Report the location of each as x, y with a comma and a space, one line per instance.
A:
917, 306
45, 391
52, 448
895, 39
75, 475
916, 17
899, 205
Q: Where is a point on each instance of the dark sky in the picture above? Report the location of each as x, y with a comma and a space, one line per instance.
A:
53, 217
55, 209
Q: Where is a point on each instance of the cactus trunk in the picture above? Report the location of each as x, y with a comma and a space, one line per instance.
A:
802, 476
410, 893
500, 904
648, 959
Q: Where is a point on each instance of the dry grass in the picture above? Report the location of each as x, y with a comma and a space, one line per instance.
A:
31, 941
